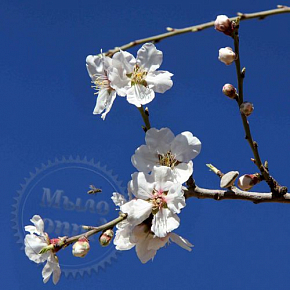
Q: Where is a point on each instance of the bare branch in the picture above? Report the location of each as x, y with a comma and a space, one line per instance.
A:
275, 187
236, 194
173, 32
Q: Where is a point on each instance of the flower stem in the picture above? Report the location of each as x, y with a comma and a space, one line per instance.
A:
145, 116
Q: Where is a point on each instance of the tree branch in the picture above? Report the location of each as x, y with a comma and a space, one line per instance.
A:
173, 32
67, 241
275, 187
235, 194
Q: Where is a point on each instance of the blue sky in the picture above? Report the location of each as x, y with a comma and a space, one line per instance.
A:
46, 113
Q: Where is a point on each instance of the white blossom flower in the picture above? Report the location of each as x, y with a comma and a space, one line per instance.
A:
164, 149
139, 79
226, 55
145, 242
158, 195
97, 66
34, 242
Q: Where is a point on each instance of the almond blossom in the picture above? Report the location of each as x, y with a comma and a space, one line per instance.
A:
97, 66
156, 194
141, 237
144, 241
139, 79
34, 242
164, 149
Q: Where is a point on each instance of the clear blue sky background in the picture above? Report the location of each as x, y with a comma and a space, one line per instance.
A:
46, 112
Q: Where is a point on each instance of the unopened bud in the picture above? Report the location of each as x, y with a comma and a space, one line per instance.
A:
81, 247
228, 179
106, 237
226, 55
247, 181
230, 91
247, 108
224, 24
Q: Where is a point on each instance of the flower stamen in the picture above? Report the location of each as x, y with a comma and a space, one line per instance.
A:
138, 76
101, 82
167, 159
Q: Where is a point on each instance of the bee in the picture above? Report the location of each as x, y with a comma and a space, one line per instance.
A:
94, 190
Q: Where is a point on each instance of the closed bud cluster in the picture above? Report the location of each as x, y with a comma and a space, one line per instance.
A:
106, 237
224, 24
230, 91
247, 108
81, 247
226, 55
247, 181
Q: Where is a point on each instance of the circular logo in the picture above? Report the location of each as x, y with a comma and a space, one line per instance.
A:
68, 193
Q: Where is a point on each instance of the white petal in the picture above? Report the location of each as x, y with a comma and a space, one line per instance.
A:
144, 159
126, 59
159, 140
95, 65
118, 199
164, 222
143, 253
159, 81
140, 95
30, 229
182, 171
141, 185
138, 210
148, 57
51, 267
185, 146
118, 79
33, 245
39, 224
140, 232
163, 177
180, 241
123, 235
105, 101
109, 104
175, 198
156, 243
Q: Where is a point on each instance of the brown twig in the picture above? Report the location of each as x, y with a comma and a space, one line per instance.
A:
235, 194
275, 187
67, 241
173, 32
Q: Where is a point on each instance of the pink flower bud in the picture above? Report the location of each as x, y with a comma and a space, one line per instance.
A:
224, 24
247, 108
230, 91
247, 181
106, 237
81, 247
226, 55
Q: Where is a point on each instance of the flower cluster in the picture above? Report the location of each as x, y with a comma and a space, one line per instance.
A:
136, 78
164, 164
